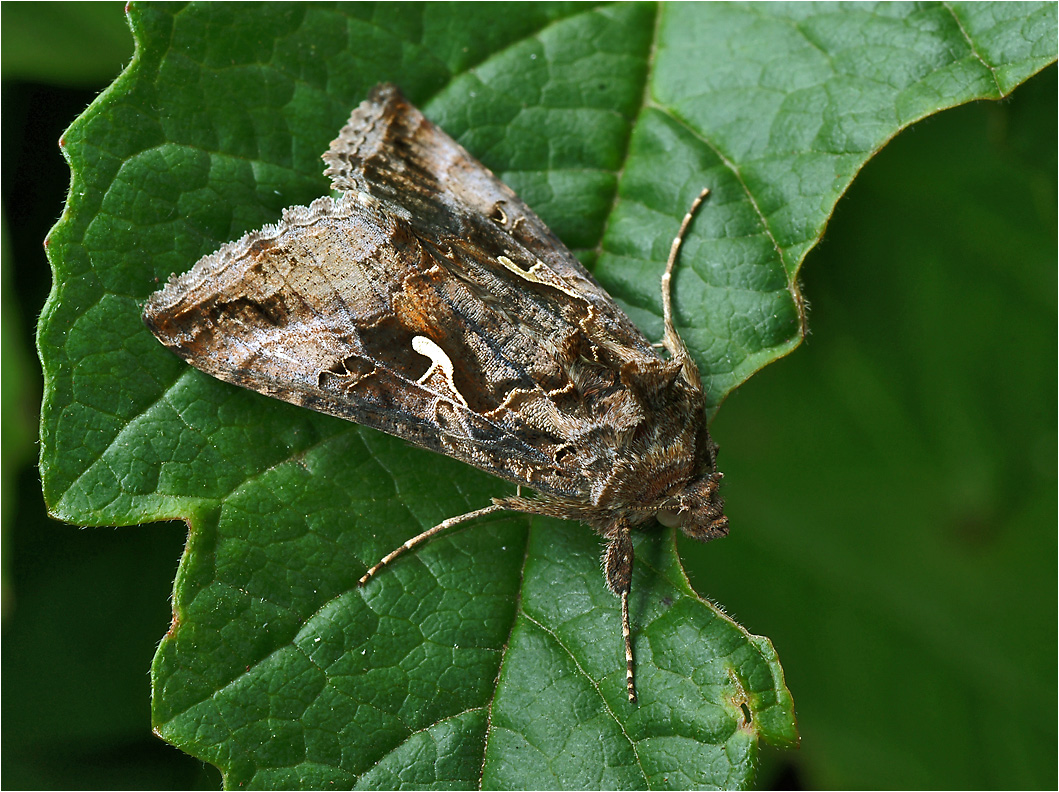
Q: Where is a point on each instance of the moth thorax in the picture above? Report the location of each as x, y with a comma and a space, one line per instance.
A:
698, 510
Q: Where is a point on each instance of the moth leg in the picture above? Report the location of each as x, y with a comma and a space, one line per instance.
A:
427, 534
671, 340
617, 566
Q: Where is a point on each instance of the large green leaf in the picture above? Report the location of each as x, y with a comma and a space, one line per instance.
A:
491, 656
894, 480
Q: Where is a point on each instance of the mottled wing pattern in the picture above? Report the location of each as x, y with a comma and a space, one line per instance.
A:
312, 311
429, 302
391, 151
342, 307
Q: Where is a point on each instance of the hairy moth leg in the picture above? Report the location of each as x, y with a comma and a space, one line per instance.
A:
427, 534
617, 566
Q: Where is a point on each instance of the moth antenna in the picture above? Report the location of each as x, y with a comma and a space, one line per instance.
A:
671, 340
427, 534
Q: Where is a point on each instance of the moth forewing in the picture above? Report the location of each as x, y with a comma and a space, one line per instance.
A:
429, 302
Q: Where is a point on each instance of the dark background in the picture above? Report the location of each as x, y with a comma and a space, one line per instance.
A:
896, 475
83, 609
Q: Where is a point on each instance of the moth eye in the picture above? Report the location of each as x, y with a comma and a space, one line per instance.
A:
498, 215
668, 518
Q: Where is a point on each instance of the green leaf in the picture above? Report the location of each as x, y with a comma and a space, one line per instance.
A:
491, 656
894, 481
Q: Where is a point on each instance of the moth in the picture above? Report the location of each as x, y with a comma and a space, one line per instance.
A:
429, 302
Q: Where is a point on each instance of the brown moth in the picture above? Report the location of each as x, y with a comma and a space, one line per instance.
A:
428, 301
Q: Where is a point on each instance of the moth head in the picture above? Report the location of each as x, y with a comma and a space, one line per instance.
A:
698, 509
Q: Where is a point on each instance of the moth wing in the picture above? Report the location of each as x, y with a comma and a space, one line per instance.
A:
344, 309
390, 150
